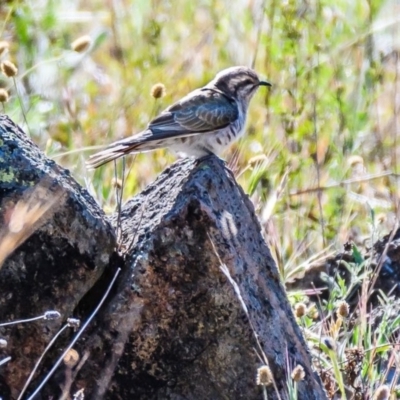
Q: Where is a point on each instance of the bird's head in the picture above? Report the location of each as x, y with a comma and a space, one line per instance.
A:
240, 83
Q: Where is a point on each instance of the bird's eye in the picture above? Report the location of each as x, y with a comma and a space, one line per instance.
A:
248, 82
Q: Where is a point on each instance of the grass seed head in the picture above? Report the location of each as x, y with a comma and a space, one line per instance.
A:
51, 315
4, 96
81, 44
264, 376
71, 358
298, 373
74, 323
343, 309
300, 310
382, 393
9, 69
158, 91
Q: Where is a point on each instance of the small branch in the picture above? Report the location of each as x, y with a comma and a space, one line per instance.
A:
344, 183
77, 336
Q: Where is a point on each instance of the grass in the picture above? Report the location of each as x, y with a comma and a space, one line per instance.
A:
320, 156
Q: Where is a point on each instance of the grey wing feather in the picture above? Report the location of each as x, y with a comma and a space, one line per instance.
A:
203, 110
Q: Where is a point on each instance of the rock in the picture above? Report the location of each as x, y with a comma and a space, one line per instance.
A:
68, 243
197, 307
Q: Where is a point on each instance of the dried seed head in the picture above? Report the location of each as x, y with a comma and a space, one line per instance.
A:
3, 343
116, 183
298, 373
382, 393
158, 91
300, 310
81, 44
329, 382
264, 376
342, 309
51, 315
3, 96
355, 160
74, 323
9, 69
4, 46
71, 358
352, 366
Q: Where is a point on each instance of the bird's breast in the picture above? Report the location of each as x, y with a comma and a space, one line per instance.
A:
218, 141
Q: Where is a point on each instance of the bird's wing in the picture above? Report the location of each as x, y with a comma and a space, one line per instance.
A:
203, 110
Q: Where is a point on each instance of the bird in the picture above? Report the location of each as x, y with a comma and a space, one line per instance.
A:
204, 122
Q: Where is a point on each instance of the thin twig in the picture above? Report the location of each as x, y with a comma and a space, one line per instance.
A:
317, 166
22, 107
30, 377
22, 321
236, 288
36, 66
71, 375
77, 336
260, 24
383, 257
121, 194
368, 350
395, 129
5, 360
344, 183
77, 151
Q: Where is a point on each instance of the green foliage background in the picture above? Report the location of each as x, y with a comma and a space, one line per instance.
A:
332, 114
320, 154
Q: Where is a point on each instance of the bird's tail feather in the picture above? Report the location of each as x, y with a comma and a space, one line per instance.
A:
142, 142
118, 149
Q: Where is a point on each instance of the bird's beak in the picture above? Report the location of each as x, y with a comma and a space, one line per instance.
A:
264, 83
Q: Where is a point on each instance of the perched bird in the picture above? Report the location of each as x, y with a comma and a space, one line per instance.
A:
204, 122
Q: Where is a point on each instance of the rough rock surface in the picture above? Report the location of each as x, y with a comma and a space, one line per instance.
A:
57, 265
177, 327
198, 305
